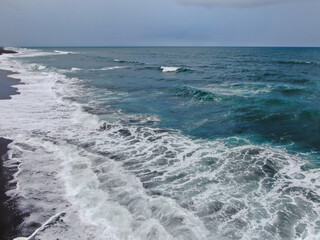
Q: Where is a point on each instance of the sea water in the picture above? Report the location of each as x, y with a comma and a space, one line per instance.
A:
165, 143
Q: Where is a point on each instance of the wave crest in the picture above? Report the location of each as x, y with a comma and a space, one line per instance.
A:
175, 69
63, 52
297, 62
196, 94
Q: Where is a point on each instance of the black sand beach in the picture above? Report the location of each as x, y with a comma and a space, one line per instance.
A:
10, 216
3, 51
6, 85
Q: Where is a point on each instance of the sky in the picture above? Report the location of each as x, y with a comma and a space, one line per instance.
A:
159, 23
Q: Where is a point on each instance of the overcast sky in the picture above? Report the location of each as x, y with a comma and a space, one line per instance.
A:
160, 22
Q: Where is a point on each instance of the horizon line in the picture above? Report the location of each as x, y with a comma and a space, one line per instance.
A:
164, 46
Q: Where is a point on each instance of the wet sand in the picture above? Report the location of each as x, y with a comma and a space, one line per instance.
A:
6, 85
10, 215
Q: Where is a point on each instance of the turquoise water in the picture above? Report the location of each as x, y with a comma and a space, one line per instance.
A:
187, 143
264, 94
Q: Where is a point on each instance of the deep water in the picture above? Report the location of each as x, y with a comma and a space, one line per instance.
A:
270, 94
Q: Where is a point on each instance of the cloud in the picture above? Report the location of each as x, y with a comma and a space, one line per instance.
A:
231, 3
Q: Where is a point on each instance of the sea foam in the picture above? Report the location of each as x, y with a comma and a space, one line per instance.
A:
83, 177
169, 69
128, 211
63, 52
111, 68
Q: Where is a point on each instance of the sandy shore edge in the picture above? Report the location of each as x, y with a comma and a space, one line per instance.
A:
4, 51
11, 217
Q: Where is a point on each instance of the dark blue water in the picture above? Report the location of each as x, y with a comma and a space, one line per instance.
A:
266, 94
223, 142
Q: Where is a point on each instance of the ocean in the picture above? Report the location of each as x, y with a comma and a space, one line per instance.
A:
165, 142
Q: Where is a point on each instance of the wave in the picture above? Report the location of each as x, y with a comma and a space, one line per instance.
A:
175, 69
128, 61
154, 68
287, 91
25, 52
245, 90
169, 69
71, 70
226, 92
75, 69
110, 68
122, 200
297, 62
64, 52
106, 179
165, 69
38, 67
42, 67
196, 94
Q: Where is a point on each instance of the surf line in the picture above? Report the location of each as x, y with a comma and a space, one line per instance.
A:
45, 225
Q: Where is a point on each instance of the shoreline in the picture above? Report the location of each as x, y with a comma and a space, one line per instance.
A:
11, 217
133, 179
3, 51
7, 84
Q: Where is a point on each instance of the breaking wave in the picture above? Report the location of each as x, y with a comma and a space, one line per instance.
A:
128, 61
175, 69
63, 52
83, 177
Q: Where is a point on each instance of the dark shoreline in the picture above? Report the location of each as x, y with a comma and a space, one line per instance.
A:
3, 51
6, 85
11, 217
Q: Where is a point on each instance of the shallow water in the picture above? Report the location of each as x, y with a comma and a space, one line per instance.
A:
166, 143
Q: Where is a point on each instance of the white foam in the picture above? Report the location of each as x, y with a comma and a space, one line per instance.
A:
129, 181
169, 69
42, 139
112, 68
41, 67
63, 52
38, 67
71, 70
75, 69
108, 68
231, 89
24, 52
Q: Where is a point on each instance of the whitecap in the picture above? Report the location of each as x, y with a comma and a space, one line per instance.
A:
41, 67
111, 68
63, 52
169, 69
38, 66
